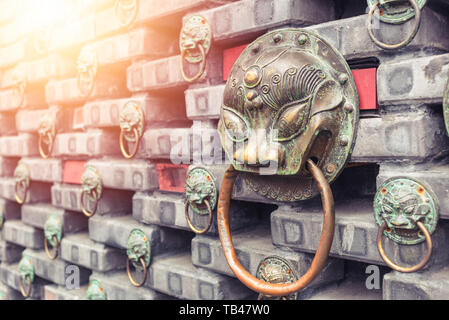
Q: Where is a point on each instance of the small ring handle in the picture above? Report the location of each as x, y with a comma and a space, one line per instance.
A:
16, 193
145, 272
49, 146
136, 144
189, 222
403, 43
394, 266
83, 208
202, 65
54, 253
25, 293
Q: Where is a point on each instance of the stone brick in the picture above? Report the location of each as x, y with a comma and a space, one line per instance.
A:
172, 177
10, 276
80, 250
162, 142
45, 170
169, 210
355, 234
15, 53
7, 166
252, 246
204, 103
11, 32
56, 292
37, 214
17, 232
95, 143
9, 252
114, 231
106, 113
23, 145
9, 293
32, 98
10, 210
176, 276
56, 270
29, 120
73, 34
68, 197
117, 287
51, 67
7, 124
37, 192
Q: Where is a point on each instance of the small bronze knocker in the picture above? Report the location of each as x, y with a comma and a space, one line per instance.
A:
131, 128
201, 196
91, 190
26, 272
52, 236
47, 133
195, 42
95, 291
87, 66
288, 123
18, 89
22, 182
126, 11
395, 12
139, 255
407, 212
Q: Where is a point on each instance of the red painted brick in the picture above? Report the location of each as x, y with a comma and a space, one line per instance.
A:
73, 170
365, 80
172, 177
229, 58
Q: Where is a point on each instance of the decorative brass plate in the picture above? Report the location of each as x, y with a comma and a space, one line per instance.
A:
396, 11
290, 97
22, 178
275, 269
87, 66
47, 133
126, 11
131, 116
401, 202
95, 291
200, 185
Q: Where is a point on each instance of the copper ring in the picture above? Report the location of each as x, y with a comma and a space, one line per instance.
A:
202, 65
403, 43
26, 293
54, 254
189, 222
322, 252
20, 89
83, 208
16, 193
394, 266
49, 146
145, 272
136, 144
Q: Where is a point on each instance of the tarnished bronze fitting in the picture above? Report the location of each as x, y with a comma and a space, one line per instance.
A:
45, 148
126, 11
139, 250
91, 189
130, 276
321, 254
25, 293
86, 212
131, 121
190, 223
394, 266
22, 182
123, 148
53, 253
403, 43
47, 133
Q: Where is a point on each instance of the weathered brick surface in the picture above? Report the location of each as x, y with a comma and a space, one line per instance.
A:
45, 170
7, 166
7, 124
9, 293
11, 99
172, 177
23, 145
79, 249
68, 197
50, 67
73, 34
15, 53
56, 292
17, 232
10, 276
204, 103
10, 210
10, 252
355, 235
29, 120
37, 192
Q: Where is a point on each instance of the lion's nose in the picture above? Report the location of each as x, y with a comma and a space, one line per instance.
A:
188, 44
399, 221
260, 155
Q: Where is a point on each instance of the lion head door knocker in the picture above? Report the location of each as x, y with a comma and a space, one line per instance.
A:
87, 66
276, 270
201, 196
126, 11
95, 291
407, 212
288, 121
22, 182
195, 42
139, 255
395, 12
131, 128
91, 190
18, 92
26, 272
47, 133
52, 236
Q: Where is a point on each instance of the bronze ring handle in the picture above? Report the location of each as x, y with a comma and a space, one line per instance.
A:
136, 144
16, 193
260, 297
322, 252
24, 293
189, 222
49, 146
394, 266
20, 89
202, 65
83, 208
403, 43
145, 272
54, 254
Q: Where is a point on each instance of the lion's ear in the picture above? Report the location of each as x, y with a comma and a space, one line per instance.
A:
328, 96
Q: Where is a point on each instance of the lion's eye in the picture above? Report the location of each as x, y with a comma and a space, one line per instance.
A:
291, 121
387, 209
236, 126
409, 210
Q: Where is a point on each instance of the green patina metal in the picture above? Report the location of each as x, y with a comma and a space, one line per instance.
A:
95, 291
26, 269
196, 31
126, 11
87, 67
138, 247
200, 185
446, 106
91, 182
2, 295
275, 269
396, 11
22, 182
2, 219
52, 229
401, 202
290, 97
131, 116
